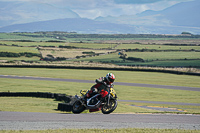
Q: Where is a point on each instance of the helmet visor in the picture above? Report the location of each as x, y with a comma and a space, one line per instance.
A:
111, 80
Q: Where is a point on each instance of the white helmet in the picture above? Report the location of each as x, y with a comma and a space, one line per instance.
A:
110, 77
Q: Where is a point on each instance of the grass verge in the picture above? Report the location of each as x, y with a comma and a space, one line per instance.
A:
27, 104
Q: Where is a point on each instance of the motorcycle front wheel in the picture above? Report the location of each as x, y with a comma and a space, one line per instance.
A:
109, 107
77, 107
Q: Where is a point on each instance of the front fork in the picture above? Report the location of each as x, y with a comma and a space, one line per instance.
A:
80, 99
108, 102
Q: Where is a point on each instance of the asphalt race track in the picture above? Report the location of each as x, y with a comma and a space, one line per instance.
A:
41, 121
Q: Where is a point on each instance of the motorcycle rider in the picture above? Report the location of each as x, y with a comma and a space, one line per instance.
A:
101, 86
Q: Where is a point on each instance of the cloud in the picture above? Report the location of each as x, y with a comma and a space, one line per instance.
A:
95, 8
145, 1
135, 1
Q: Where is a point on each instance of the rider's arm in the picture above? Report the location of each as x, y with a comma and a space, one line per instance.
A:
100, 80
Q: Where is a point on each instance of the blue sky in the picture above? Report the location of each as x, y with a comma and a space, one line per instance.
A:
95, 8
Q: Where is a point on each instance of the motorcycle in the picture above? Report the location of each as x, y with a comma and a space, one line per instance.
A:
95, 103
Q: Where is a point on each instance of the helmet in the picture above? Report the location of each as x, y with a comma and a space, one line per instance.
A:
110, 77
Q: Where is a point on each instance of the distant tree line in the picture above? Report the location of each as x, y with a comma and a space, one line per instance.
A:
69, 47
11, 54
64, 35
121, 36
91, 53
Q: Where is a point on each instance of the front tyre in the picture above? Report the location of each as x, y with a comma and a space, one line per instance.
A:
109, 108
77, 107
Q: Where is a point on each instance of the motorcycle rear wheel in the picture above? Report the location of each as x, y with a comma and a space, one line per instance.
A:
109, 108
77, 107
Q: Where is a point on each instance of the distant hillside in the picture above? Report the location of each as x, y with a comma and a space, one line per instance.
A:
182, 14
80, 25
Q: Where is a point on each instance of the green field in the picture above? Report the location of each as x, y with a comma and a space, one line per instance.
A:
153, 50
31, 44
24, 36
122, 76
92, 45
168, 63
156, 46
149, 56
18, 49
124, 92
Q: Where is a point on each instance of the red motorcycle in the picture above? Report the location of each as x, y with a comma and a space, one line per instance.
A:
95, 103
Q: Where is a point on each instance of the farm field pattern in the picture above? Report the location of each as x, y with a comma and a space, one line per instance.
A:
159, 52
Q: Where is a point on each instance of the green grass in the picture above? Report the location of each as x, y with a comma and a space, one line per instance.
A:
18, 85
121, 76
23, 36
20, 58
92, 45
27, 104
35, 44
164, 55
147, 56
168, 63
14, 49
157, 94
124, 92
179, 59
176, 59
157, 47
127, 130
102, 58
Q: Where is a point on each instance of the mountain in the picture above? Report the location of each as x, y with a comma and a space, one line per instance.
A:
25, 12
81, 25
185, 15
88, 26
182, 14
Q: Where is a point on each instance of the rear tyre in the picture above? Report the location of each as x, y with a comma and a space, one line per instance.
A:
77, 107
109, 108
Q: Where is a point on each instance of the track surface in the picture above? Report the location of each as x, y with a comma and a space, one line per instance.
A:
40, 121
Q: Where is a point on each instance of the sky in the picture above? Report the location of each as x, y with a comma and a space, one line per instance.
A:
95, 8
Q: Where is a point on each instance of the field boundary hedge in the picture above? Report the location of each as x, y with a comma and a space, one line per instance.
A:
67, 106
103, 68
